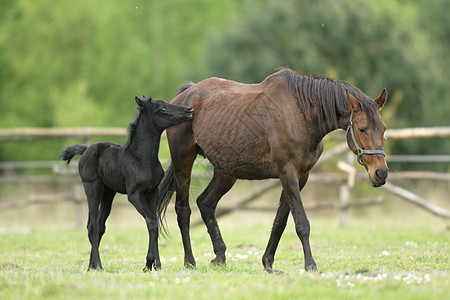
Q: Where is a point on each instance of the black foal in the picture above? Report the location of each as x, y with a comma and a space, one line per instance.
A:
134, 169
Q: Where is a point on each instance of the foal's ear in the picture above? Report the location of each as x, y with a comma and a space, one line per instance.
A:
138, 101
353, 103
145, 98
380, 100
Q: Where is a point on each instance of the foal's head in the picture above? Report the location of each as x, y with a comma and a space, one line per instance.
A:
365, 135
164, 114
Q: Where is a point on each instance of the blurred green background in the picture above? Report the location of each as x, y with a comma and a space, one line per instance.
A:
80, 63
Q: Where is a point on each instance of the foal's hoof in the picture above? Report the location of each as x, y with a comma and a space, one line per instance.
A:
218, 261
153, 266
146, 269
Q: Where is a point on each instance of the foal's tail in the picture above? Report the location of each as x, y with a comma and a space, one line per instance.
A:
165, 192
69, 152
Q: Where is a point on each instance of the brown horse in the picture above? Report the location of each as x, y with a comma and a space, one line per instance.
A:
269, 130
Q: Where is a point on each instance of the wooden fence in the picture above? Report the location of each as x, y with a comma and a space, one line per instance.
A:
347, 179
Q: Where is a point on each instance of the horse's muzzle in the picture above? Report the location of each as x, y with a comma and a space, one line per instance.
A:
379, 177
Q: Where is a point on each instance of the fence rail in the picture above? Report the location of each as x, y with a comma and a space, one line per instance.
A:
17, 134
346, 179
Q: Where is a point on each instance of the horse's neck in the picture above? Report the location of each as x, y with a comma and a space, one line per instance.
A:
146, 139
324, 129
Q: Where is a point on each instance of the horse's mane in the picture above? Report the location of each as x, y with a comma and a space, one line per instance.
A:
324, 97
132, 127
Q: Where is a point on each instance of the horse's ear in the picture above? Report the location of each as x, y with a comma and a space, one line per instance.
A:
145, 98
138, 101
353, 103
380, 100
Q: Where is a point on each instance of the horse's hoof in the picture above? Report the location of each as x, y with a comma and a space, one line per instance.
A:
311, 268
273, 271
95, 269
189, 265
218, 261
152, 266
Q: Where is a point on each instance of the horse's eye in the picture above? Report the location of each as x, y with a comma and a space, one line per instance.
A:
362, 130
163, 109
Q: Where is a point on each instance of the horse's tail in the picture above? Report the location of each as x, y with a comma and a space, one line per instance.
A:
69, 152
184, 87
165, 192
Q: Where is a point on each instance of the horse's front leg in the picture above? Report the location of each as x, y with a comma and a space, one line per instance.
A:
279, 224
291, 190
152, 227
146, 206
153, 260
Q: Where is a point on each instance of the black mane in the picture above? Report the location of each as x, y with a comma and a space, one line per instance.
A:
132, 127
325, 98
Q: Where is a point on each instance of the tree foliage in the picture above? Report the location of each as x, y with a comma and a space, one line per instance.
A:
399, 45
80, 63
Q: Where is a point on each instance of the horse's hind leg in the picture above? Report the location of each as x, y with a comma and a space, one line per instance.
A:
105, 210
207, 203
279, 224
183, 152
94, 192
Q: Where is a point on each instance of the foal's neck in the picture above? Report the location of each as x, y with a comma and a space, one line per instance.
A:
145, 141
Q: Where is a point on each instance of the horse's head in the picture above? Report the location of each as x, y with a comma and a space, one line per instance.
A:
365, 135
165, 114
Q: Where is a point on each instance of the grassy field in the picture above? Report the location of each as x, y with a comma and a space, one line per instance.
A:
373, 258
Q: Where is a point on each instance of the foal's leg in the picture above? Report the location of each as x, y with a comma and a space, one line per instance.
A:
291, 190
105, 210
94, 193
279, 224
145, 204
207, 203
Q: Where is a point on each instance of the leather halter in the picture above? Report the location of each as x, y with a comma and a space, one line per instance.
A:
359, 150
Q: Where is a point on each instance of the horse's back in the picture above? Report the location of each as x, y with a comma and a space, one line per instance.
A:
95, 158
232, 125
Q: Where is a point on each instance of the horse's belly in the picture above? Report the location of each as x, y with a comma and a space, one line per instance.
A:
244, 158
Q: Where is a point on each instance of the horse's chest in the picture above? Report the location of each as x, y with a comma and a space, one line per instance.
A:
144, 177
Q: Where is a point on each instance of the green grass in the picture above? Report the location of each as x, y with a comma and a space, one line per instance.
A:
371, 259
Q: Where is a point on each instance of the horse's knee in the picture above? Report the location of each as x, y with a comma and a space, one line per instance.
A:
90, 228
303, 228
183, 211
152, 224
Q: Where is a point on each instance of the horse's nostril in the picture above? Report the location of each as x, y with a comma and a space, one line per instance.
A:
381, 173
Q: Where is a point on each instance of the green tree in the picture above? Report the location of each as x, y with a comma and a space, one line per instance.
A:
372, 44
80, 63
